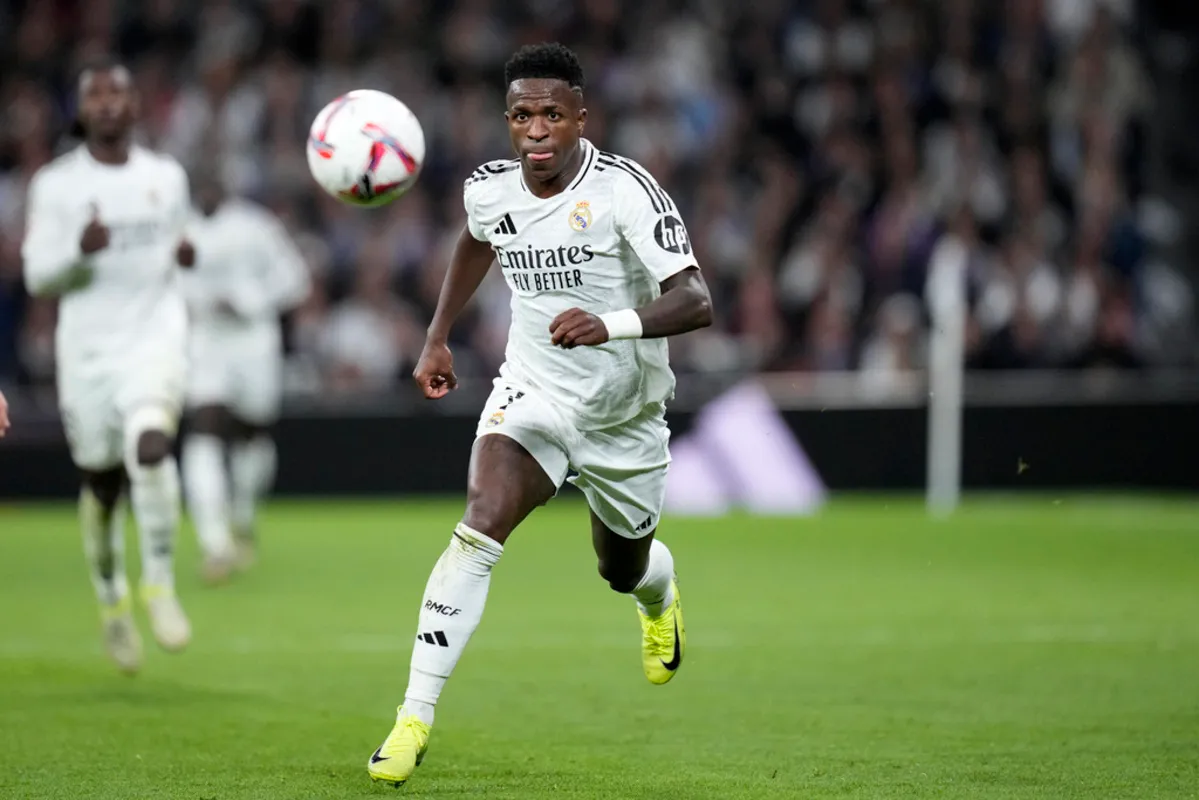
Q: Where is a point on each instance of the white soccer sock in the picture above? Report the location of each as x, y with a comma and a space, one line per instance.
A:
252, 467
450, 612
154, 491
206, 485
655, 592
104, 545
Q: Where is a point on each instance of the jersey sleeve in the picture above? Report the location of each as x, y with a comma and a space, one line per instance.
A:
50, 253
648, 220
470, 197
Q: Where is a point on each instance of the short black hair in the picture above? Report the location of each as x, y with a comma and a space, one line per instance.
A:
545, 60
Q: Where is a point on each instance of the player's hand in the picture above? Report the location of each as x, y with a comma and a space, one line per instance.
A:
95, 235
434, 372
4, 423
185, 254
577, 327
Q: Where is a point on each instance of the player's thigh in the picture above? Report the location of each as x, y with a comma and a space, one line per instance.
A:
517, 463
622, 473
154, 378
91, 421
257, 389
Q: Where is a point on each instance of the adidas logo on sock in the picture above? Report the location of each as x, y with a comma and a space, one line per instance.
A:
436, 637
506, 226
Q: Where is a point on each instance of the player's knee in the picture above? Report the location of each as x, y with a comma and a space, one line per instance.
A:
488, 518
106, 486
153, 447
148, 437
621, 576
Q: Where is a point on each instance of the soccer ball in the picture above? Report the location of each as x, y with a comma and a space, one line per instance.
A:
366, 148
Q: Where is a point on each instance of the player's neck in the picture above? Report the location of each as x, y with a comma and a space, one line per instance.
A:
113, 152
559, 182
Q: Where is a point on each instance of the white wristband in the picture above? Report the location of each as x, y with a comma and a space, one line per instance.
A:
623, 324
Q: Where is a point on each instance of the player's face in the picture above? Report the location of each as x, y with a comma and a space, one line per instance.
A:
545, 121
107, 106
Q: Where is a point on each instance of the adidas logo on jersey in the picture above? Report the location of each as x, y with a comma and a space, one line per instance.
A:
506, 226
645, 526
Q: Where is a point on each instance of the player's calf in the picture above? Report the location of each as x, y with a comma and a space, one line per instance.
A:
252, 464
206, 487
103, 526
155, 494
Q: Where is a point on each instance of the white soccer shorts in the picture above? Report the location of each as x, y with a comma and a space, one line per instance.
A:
247, 379
96, 398
621, 470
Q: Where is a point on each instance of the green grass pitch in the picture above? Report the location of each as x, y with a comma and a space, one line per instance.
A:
1033, 647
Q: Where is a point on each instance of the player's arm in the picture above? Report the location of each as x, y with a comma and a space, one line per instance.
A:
54, 254
469, 263
685, 305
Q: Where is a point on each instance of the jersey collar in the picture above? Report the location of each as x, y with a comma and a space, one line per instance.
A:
589, 153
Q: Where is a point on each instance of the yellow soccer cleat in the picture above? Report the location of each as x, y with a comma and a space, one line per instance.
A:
663, 640
401, 752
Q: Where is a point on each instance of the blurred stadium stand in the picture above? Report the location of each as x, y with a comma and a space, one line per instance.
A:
818, 151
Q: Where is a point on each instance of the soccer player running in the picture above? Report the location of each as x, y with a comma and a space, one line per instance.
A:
248, 272
600, 269
105, 231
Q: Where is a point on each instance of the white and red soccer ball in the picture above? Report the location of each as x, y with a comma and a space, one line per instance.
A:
366, 148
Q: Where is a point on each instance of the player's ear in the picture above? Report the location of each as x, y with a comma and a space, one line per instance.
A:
581, 119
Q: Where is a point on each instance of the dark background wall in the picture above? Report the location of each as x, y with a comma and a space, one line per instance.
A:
1059, 446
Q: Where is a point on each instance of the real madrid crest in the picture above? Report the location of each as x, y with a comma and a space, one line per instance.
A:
495, 419
580, 218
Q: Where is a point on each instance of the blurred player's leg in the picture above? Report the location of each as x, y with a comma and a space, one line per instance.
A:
206, 485
252, 468
91, 423
504, 485
102, 520
154, 490
255, 403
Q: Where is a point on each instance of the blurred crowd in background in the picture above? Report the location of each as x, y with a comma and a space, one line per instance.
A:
818, 150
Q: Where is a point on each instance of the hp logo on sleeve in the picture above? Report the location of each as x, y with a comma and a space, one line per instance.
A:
671, 236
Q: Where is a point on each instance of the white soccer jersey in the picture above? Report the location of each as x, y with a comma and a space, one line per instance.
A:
602, 244
244, 257
126, 296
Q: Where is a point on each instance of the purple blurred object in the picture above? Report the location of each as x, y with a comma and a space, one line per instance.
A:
741, 453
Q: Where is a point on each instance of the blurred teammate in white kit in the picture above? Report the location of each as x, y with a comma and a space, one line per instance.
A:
248, 274
105, 232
